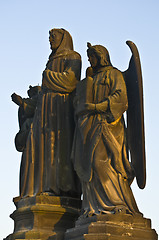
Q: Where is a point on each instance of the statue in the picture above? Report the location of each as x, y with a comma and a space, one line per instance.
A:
26, 112
46, 167
101, 148
58, 156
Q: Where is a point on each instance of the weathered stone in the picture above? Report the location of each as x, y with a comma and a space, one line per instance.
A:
44, 217
112, 227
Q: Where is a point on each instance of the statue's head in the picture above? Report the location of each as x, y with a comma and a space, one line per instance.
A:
33, 91
98, 56
60, 39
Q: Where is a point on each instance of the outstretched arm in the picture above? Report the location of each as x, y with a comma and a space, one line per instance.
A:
28, 104
17, 99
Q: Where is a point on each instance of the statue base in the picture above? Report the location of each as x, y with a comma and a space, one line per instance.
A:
112, 227
44, 217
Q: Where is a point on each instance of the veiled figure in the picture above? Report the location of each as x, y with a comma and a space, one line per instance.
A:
46, 166
99, 150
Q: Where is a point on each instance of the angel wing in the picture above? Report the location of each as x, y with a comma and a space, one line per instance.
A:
135, 115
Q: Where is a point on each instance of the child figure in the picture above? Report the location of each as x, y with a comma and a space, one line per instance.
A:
26, 112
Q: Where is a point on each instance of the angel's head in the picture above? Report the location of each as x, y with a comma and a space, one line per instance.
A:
98, 56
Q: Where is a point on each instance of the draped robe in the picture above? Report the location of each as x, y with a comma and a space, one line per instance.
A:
46, 164
99, 149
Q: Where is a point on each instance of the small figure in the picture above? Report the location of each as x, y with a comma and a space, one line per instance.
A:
25, 115
100, 150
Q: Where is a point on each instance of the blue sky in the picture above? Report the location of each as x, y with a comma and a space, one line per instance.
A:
24, 49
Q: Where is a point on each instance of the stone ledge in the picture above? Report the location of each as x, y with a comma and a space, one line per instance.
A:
112, 227
44, 217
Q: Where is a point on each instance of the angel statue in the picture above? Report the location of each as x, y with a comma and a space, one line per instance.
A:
103, 142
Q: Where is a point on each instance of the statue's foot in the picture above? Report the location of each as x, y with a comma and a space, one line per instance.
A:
48, 193
122, 210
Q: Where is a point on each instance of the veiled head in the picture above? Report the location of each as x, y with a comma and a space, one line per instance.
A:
60, 39
55, 38
98, 56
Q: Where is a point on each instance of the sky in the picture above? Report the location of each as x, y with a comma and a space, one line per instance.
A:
24, 50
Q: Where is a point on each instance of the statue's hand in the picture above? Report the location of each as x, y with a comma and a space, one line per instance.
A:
17, 99
90, 106
85, 108
102, 107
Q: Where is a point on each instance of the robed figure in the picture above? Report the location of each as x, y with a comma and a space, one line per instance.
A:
46, 166
100, 150
26, 113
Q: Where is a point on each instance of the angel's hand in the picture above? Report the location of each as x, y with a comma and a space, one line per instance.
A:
85, 108
90, 106
102, 107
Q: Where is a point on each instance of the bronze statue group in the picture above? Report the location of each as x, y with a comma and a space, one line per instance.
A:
73, 136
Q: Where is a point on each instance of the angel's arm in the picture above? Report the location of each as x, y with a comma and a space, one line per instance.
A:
117, 100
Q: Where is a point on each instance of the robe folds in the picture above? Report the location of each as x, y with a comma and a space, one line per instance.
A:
46, 165
99, 150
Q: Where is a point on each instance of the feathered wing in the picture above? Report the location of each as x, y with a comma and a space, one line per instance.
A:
135, 115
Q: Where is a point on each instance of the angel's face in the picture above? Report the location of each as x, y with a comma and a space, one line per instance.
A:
93, 60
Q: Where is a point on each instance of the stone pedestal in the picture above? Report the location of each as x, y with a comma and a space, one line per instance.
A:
112, 227
44, 217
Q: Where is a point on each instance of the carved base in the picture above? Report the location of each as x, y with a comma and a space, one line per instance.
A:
44, 217
112, 227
